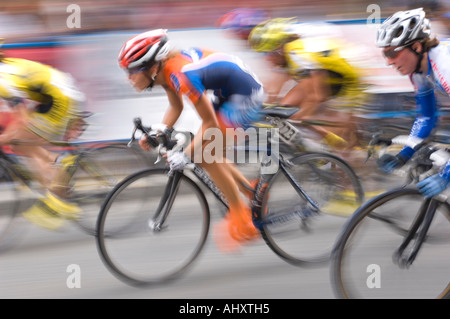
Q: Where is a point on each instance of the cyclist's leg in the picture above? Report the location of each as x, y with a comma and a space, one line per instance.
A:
41, 159
239, 218
231, 135
307, 94
52, 126
237, 225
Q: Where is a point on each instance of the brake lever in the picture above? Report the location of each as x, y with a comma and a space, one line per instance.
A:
371, 146
370, 151
159, 158
133, 138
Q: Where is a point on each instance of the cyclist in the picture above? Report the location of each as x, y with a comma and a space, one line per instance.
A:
325, 84
43, 102
241, 21
149, 59
407, 45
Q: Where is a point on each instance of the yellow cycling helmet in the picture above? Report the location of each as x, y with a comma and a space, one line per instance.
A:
269, 35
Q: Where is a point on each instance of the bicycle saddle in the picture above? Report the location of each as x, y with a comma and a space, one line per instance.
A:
281, 111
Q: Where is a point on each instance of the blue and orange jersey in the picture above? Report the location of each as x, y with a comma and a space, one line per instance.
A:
194, 71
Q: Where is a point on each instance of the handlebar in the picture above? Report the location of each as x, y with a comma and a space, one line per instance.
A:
404, 140
428, 156
157, 138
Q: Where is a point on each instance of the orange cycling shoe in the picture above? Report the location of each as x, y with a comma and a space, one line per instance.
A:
235, 229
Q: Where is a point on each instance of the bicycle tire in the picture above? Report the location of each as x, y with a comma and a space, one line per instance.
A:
290, 229
10, 205
97, 171
362, 263
142, 256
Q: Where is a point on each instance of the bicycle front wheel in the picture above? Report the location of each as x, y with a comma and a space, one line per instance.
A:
169, 234
291, 227
365, 262
98, 170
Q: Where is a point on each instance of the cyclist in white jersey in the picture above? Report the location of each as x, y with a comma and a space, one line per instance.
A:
407, 46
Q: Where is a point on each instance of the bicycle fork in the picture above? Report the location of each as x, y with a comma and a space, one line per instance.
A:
156, 223
418, 230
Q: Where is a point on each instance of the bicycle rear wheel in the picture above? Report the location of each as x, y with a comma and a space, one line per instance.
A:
291, 228
149, 253
98, 170
364, 263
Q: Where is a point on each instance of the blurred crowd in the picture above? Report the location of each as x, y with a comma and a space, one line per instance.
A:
22, 19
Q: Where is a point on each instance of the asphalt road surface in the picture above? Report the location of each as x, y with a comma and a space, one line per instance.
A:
66, 264
42, 264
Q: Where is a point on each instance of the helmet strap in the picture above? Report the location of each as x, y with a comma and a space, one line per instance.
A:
419, 59
153, 77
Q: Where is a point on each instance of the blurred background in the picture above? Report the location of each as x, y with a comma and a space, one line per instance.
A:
28, 18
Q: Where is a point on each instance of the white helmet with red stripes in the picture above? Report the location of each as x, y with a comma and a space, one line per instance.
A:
144, 49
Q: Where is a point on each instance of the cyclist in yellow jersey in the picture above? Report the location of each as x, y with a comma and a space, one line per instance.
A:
327, 86
44, 102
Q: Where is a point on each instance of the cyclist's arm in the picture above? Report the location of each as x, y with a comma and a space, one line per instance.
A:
308, 94
426, 120
171, 115
53, 98
175, 108
445, 172
209, 121
275, 85
18, 120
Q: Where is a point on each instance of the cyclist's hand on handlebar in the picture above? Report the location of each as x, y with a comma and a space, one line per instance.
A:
157, 134
387, 163
144, 144
432, 186
177, 160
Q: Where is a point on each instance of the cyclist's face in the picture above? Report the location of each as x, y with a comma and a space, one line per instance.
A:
404, 60
277, 57
139, 79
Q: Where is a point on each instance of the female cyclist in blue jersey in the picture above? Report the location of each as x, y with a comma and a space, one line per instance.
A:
409, 48
238, 95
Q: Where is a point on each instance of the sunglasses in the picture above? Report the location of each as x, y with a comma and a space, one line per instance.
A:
393, 53
136, 70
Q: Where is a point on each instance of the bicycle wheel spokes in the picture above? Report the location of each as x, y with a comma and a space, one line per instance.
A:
364, 262
143, 255
98, 171
303, 234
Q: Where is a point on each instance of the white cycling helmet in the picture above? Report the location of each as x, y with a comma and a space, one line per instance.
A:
403, 28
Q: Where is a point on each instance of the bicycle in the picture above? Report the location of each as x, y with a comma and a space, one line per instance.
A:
396, 244
294, 215
97, 168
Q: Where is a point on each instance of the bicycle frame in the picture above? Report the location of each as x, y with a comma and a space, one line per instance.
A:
170, 192
157, 221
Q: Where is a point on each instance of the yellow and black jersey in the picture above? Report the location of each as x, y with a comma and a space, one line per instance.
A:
306, 55
54, 93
